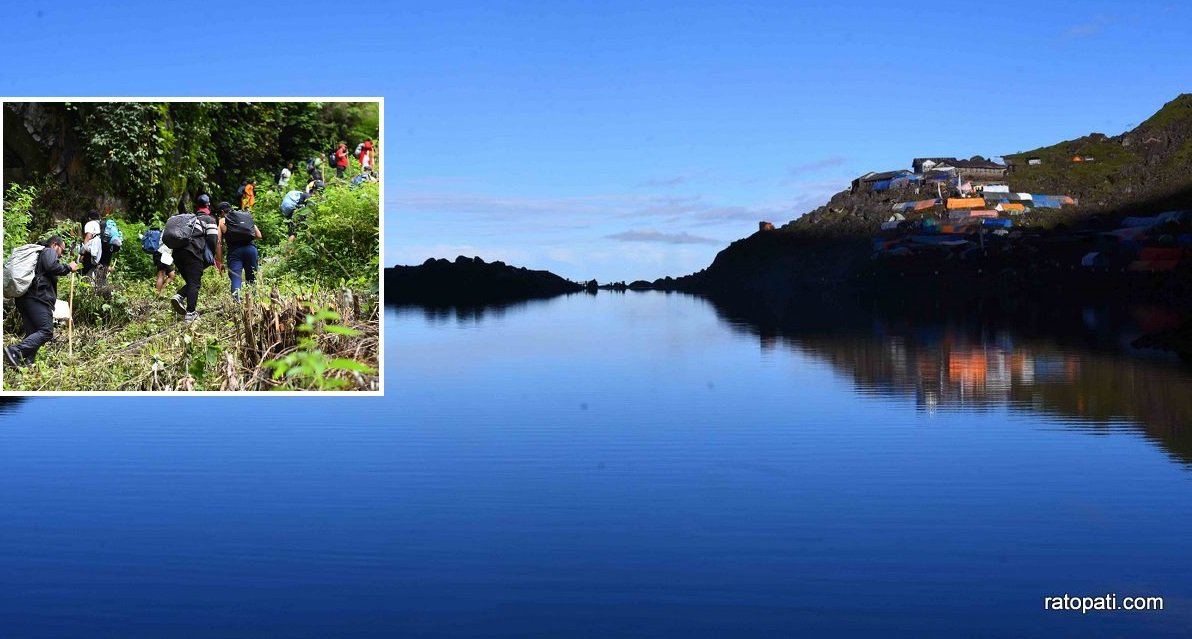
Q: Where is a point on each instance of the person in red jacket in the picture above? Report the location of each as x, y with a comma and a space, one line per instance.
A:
341, 159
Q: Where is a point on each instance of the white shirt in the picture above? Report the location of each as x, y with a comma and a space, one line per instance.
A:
285, 177
92, 227
94, 247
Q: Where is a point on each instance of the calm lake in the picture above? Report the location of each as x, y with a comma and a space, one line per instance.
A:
640, 464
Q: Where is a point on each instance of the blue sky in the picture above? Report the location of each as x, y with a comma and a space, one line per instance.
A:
626, 140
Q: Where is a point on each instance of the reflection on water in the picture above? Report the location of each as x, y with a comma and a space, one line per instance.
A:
1088, 377
623, 465
462, 315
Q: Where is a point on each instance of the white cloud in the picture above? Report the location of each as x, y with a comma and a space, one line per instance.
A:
660, 237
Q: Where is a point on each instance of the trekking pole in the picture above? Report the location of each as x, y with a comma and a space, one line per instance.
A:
70, 319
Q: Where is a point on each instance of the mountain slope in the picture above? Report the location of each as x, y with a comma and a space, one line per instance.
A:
1142, 171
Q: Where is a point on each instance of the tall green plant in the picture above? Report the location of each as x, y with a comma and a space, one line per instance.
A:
18, 205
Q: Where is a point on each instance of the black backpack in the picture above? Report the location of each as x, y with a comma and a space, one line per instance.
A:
183, 230
239, 225
334, 158
240, 191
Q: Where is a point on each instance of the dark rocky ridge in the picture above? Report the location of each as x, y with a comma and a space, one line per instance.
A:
471, 281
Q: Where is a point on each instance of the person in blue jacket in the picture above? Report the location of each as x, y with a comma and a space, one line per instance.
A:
292, 201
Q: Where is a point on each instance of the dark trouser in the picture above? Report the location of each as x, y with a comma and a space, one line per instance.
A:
242, 258
191, 268
88, 264
37, 318
339, 171
107, 253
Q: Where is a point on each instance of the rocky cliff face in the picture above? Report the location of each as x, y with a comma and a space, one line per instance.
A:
36, 142
40, 143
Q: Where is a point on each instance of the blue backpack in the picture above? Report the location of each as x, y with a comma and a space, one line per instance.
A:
151, 241
112, 234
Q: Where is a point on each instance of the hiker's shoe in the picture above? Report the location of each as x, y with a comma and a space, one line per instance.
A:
10, 357
191, 316
179, 307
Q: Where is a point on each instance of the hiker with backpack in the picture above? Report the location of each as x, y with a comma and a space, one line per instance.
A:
195, 242
31, 277
111, 241
92, 247
163, 257
341, 159
290, 204
314, 168
205, 209
239, 231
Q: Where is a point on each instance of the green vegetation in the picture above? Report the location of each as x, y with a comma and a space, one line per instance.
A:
1095, 181
149, 159
310, 323
1174, 113
1149, 162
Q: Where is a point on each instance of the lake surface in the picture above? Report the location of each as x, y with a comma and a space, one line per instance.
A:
637, 464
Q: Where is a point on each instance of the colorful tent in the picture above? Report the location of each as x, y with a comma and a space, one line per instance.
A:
966, 203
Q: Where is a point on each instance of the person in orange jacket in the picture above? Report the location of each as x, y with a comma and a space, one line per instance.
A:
249, 196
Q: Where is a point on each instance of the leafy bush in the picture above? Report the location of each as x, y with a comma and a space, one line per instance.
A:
340, 240
267, 214
132, 263
18, 203
100, 307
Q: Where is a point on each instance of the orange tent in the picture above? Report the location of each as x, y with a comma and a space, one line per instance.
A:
966, 203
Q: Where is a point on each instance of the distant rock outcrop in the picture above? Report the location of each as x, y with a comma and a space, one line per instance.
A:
471, 281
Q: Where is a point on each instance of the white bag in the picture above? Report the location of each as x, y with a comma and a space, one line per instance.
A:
20, 270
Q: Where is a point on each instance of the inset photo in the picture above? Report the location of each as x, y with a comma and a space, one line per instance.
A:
192, 245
